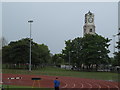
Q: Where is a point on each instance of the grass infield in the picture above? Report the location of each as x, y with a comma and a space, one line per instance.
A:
13, 87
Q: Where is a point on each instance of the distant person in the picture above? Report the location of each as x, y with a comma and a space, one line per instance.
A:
2, 88
56, 84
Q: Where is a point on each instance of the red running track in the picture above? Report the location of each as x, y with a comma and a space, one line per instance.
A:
66, 82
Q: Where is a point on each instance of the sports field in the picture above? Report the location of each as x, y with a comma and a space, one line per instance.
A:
68, 78
52, 71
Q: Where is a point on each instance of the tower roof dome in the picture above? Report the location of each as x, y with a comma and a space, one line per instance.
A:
89, 13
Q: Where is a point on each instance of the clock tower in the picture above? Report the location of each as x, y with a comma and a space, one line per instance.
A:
89, 27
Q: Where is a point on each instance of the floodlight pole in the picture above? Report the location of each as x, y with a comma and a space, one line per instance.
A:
114, 44
69, 58
119, 38
30, 21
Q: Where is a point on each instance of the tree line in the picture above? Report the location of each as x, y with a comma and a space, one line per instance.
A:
86, 52
17, 53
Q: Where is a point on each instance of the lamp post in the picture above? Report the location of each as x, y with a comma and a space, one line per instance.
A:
114, 44
69, 58
118, 38
30, 21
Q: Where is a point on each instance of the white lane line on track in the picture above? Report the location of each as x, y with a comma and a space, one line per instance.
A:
73, 85
82, 85
108, 87
114, 86
65, 85
97, 85
89, 85
117, 87
103, 85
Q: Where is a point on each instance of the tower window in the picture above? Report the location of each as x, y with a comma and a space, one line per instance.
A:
84, 30
90, 30
85, 20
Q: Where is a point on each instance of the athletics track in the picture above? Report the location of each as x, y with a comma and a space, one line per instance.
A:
66, 82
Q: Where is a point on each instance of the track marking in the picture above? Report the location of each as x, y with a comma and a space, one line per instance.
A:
89, 85
65, 85
105, 85
99, 86
96, 84
114, 86
82, 85
73, 85
117, 87
108, 87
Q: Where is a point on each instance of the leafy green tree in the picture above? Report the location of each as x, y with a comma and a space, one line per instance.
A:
76, 52
66, 52
89, 50
44, 54
57, 59
95, 50
116, 61
18, 52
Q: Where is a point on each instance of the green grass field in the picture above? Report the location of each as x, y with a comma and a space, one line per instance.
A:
52, 71
13, 87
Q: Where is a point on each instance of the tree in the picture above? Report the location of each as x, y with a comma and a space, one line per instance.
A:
95, 50
18, 53
44, 54
116, 61
67, 50
89, 50
57, 59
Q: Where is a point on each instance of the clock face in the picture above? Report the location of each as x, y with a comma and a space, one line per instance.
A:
90, 20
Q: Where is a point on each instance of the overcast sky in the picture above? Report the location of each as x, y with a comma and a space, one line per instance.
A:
56, 22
